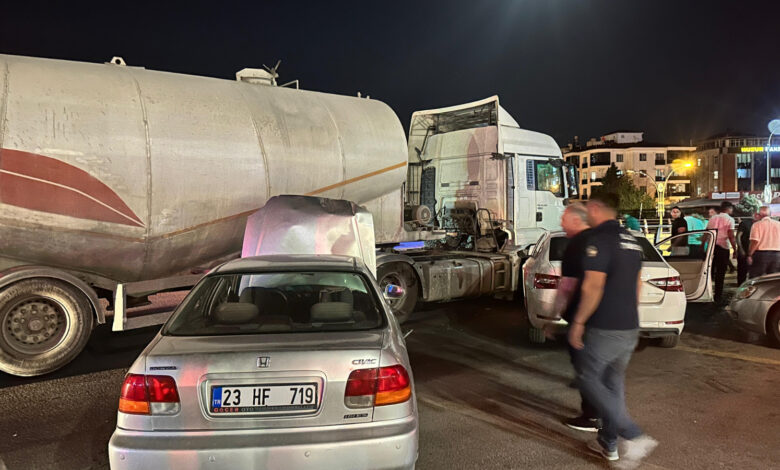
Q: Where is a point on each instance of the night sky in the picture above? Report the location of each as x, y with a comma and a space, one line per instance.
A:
678, 70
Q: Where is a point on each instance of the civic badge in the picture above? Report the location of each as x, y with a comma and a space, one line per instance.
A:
263, 361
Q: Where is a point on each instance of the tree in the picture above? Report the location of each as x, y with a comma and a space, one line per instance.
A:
749, 204
630, 197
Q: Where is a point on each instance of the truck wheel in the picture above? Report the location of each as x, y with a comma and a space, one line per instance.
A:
400, 274
670, 341
45, 323
536, 335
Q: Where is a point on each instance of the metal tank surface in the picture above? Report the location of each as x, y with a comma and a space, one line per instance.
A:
133, 174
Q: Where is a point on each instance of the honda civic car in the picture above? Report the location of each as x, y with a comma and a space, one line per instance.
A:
283, 362
674, 271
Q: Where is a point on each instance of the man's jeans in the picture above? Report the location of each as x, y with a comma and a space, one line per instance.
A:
602, 373
765, 262
588, 411
720, 263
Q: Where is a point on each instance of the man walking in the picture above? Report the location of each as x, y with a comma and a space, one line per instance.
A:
575, 223
605, 329
743, 245
764, 251
724, 224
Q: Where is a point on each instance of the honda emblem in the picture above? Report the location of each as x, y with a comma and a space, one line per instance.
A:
263, 361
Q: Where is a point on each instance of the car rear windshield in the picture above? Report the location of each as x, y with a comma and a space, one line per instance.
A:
558, 246
297, 302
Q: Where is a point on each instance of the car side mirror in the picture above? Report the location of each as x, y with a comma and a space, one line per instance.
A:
393, 292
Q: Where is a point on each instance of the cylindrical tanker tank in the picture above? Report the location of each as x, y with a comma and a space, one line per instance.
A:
134, 174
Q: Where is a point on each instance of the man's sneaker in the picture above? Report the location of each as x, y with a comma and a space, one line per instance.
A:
581, 423
596, 447
635, 450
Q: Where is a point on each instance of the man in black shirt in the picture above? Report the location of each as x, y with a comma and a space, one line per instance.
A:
679, 226
743, 244
575, 223
605, 329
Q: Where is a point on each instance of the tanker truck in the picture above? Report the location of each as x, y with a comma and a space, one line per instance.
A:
117, 182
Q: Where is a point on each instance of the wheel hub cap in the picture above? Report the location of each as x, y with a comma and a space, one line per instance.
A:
34, 326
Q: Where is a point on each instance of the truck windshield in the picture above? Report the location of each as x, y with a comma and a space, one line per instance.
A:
548, 177
281, 302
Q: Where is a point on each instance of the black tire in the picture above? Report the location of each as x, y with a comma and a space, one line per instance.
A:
773, 326
536, 335
670, 341
44, 324
403, 275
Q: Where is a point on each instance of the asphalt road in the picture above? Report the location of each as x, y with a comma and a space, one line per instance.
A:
487, 398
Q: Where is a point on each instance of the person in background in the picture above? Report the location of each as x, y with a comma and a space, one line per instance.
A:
575, 223
695, 222
679, 226
632, 223
712, 212
725, 240
764, 252
605, 330
743, 245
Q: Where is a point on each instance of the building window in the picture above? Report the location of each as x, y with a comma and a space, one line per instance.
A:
659, 174
643, 189
600, 159
743, 173
698, 161
619, 158
593, 176
642, 157
715, 160
642, 175
775, 172
659, 159
715, 174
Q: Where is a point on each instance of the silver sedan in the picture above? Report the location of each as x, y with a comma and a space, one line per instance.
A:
283, 362
756, 306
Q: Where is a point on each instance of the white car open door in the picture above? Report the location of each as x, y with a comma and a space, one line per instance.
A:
691, 255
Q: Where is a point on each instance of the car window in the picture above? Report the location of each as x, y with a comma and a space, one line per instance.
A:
297, 302
558, 247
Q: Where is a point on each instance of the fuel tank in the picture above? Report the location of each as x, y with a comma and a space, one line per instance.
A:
134, 174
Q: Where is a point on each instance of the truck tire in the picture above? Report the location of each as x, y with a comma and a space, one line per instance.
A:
536, 335
670, 341
45, 323
400, 274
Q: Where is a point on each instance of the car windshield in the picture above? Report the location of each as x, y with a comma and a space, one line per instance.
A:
558, 246
277, 302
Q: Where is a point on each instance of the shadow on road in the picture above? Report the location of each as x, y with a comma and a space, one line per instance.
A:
106, 350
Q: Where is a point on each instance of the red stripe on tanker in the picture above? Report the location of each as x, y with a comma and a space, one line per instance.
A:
36, 182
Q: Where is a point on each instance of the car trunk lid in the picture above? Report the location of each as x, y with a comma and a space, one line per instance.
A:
260, 374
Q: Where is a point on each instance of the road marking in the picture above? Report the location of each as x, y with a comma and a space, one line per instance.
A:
741, 357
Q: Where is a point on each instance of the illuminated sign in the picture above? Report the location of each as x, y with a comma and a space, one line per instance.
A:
774, 148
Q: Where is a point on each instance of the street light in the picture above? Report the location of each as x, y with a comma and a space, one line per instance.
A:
660, 188
774, 128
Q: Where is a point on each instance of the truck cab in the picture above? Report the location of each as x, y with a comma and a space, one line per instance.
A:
473, 170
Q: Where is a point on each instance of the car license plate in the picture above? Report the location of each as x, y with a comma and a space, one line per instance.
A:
264, 398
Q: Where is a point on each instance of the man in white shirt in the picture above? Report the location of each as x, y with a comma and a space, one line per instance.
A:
725, 240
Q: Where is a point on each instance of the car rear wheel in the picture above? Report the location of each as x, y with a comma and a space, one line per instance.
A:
773, 326
670, 341
44, 324
536, 335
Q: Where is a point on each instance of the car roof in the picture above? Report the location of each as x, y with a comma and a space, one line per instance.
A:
290, 263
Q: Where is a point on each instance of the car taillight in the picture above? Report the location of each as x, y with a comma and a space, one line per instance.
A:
546, 281
149, 394
377, 387
669, 284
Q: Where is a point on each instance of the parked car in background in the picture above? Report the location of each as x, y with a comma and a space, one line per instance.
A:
287, 362
756, 306
671, 279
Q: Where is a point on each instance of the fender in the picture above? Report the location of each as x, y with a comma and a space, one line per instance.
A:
387, 258
19, 273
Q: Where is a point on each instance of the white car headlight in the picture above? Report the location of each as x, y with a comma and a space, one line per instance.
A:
745, 291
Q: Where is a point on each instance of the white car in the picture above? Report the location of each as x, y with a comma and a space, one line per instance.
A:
670, 281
